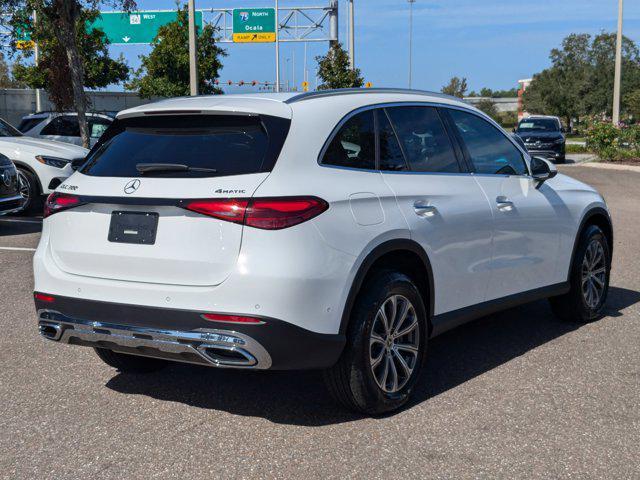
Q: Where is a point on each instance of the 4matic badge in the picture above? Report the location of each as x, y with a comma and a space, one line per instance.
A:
231, 192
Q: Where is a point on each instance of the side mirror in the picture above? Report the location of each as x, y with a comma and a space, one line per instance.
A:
542, 170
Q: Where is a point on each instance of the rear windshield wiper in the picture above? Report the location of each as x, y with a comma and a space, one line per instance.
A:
170, 167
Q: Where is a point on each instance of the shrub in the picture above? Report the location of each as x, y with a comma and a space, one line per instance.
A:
614, 142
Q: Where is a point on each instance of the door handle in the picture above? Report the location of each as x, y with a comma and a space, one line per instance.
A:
424, 210
504, 203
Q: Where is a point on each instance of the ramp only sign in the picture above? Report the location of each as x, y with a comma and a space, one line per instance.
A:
254, 25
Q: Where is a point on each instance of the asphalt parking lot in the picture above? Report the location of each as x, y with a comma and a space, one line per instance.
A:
517, 394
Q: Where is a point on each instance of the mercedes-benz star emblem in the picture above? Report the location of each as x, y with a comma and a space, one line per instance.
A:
132, 186
6, 178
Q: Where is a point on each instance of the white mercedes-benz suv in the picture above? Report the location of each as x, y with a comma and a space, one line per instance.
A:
336, 230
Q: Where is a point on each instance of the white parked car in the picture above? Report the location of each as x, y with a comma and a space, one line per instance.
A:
42, 164
63, 127
338, 230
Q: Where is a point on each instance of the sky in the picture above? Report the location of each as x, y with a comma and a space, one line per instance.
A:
493, 43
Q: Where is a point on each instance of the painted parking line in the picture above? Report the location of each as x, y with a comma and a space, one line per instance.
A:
18, 249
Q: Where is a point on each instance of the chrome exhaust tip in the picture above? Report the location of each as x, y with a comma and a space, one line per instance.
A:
222, 355
50, 330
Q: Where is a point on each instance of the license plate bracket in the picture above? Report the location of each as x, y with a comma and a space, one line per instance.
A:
133, 227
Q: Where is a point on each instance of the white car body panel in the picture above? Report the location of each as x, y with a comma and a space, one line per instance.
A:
23, 151
302, 275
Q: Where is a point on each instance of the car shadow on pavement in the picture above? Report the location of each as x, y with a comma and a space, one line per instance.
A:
299, 398
19, 227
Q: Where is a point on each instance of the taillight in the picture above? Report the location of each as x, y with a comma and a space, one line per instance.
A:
56, 202
218, 317
272, 213
225, 209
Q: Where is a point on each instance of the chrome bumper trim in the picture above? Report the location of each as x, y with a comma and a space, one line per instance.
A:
217, 348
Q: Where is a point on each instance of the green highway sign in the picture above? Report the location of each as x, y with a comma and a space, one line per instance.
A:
251, 25
136, 27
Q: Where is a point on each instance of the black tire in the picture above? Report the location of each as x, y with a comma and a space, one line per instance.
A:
573, 306
130, 363
351, 381
29, 189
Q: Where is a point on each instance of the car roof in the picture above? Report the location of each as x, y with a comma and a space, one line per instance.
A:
47, 114
281, 104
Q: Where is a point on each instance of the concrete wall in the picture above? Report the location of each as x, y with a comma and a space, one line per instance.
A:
15, 103
503, 104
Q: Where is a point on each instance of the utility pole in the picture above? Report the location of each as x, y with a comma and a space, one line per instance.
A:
193, 61
277, 49
352, 60
411, 2
618, 69
36, 52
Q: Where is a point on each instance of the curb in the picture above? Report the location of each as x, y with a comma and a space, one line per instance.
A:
609, 166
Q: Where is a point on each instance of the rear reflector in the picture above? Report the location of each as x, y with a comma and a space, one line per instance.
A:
273, 213
57, 202
217, 317
43, 297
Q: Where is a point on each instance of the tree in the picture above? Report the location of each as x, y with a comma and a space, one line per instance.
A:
334, 70
66, 21
52, 72
488, 106
560, 90
165, 71
456, 87
580, 79
6, 79
632, 104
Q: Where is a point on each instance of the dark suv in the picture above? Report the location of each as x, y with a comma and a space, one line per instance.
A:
543, 136
10, 198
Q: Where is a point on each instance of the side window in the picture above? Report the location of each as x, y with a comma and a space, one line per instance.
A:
424, 139
490, 151
354, 144
97, 127
391, 156
66, 126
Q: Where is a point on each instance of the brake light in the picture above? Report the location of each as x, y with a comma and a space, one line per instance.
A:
43, 297
56, 202
225, 209
217, 317
273, 213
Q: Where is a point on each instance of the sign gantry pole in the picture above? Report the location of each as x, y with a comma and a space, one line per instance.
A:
277, 49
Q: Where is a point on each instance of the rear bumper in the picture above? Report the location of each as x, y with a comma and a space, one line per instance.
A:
185, 336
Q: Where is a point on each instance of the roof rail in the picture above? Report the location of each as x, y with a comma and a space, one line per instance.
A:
354, 91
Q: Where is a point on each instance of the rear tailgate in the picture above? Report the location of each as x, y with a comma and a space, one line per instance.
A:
131, 225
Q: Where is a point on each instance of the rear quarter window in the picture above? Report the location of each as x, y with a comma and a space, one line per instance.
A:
211, 145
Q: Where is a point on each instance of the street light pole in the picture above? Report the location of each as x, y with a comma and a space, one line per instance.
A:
352, 59
193, 62
618, 69
411, 2
277, 49
36, 51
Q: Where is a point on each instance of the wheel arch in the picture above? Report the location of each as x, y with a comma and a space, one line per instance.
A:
599, 217
24, 166
412, 259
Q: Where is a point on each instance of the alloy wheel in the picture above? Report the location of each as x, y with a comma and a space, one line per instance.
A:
594, 271
394, 343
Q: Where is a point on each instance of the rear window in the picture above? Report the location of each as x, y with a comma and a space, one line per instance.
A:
27, 124
207, 145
